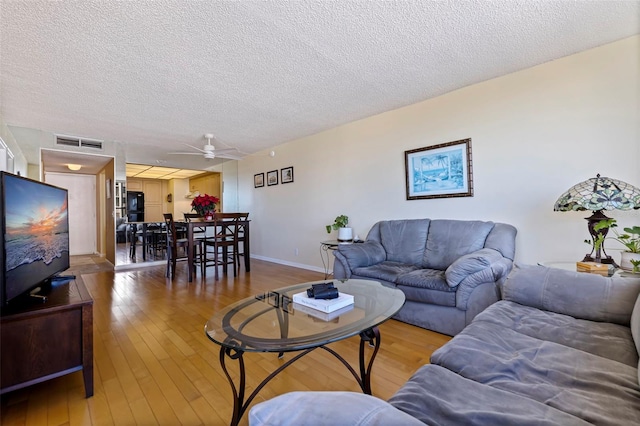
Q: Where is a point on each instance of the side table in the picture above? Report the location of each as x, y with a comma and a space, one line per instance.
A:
325, 247
571, 266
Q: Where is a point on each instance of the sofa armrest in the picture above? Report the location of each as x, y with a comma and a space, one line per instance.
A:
341, 270
352, 256
485, 266
580, 295
475, 268
328, 408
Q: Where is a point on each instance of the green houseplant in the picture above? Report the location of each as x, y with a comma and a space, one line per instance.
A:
345, 233
630, 239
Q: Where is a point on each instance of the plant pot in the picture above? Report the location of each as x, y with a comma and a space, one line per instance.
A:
345, 235
625, 260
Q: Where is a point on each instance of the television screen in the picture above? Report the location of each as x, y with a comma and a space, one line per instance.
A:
35, 240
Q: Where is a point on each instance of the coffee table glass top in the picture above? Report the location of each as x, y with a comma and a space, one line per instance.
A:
272, 322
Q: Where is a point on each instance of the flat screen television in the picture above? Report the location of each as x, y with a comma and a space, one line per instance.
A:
35, 235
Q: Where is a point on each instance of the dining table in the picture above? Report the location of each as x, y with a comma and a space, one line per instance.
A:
200, 223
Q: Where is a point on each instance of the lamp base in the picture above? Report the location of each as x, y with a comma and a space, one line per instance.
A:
608, 260
592, 220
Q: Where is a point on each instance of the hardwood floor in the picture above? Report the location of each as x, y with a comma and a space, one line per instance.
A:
153, 363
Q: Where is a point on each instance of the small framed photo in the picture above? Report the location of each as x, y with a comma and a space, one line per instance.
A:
439, 171
286, 175
258, 180
272, 178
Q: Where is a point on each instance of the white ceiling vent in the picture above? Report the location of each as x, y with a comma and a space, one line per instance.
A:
78, 142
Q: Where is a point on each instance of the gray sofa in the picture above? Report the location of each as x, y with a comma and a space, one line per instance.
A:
449, 270
560, 348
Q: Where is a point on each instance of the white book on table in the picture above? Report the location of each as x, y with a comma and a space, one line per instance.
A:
324, 305
297, 307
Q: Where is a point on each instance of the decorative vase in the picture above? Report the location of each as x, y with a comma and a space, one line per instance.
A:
208, 216
625, 260
345, 235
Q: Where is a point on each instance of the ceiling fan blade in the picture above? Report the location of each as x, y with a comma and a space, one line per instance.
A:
185, 153
225, 150
228, 156
195, 147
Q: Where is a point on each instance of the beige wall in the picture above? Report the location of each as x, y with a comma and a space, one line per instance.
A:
535, 133
106, 209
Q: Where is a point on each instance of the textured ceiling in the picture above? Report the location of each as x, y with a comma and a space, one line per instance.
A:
260, 73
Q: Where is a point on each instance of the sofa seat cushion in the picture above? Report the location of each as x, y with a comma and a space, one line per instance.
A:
427, 286
585, 385
437, 396
388, 271
608, 340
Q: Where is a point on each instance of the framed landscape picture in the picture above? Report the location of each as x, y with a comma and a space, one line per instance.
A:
272, 178
286, 175
439, 171
258, 180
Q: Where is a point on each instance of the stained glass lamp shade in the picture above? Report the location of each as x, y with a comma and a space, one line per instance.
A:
598, 194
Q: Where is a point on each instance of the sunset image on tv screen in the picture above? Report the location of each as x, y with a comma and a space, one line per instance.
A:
37, 226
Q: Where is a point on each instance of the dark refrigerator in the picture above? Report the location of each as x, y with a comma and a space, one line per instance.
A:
135, 206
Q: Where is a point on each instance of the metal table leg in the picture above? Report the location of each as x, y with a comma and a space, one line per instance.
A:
370, 336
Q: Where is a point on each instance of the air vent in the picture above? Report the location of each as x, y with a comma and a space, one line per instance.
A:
78, 142
67, 141
90, 144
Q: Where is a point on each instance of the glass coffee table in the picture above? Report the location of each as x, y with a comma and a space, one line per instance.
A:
272, 322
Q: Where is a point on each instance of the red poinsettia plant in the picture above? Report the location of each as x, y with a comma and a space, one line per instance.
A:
204, 204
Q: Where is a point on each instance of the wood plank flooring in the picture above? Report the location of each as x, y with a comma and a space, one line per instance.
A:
153, 363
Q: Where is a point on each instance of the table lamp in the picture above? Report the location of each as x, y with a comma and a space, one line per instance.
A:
598, 194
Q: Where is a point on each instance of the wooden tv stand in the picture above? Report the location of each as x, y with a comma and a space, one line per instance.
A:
40, 341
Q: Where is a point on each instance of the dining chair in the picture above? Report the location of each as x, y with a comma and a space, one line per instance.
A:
174, 243
223, 242
156, 239
242, 228
199, 235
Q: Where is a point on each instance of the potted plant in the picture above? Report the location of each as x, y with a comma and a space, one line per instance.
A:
345, 233
205, 205
630, 260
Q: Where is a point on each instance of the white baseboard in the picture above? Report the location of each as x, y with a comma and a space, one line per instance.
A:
287, 263
130, 266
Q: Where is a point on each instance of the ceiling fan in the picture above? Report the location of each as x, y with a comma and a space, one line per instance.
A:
209, 152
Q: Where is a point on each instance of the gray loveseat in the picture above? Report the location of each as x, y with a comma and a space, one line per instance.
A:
449, 270
561, 348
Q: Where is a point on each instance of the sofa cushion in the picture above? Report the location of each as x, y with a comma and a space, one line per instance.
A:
635, 329
328, 408
450, 239
552, 289
404, 240
635, 324
388, 271
604, 339
585, 385
437, 396
427, 286
439, 297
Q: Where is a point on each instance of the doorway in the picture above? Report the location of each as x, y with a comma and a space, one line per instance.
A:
82, 210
